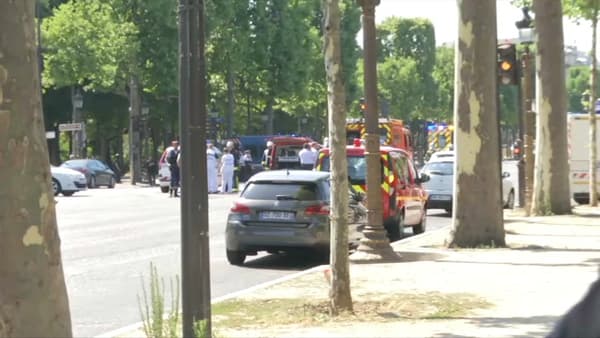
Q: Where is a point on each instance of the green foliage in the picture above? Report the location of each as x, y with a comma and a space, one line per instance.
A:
401, 85
443, 75
410, 39
578, 80
152, 309
581, 9
86, 45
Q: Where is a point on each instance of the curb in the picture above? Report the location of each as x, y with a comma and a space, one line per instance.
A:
136, 326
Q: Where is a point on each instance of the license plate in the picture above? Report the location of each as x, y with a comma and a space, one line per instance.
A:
277, 215
440, 197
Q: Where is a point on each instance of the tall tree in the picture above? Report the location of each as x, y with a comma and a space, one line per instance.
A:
551, 180
412, 38
339, 295
477, 217
443, 76
33, 293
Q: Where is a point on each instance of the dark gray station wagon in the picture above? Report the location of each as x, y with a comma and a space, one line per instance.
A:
278, 211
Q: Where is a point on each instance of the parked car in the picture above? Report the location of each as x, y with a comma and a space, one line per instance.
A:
440, 186
282, 210
96, 172
67, 181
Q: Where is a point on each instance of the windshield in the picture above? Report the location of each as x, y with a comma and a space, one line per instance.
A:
357, 168
439, 168
301, 191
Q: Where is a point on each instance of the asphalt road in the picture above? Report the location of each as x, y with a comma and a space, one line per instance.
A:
110, 236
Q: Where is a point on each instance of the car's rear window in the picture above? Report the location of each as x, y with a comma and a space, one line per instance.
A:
439, 168
75, 163
302, 191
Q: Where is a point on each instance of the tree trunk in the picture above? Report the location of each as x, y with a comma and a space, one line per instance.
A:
339, 293
551, 179
135, 142
270, 116
592, 113
230, 101
477, 217
33, 296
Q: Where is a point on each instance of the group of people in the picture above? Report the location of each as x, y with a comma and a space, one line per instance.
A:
224, 164
309, 155
217, 163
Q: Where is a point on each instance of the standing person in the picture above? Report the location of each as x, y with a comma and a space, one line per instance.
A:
245, 163
315, 147
307, 157
266, 158
211, 169
152, 169
227, 165
172, 154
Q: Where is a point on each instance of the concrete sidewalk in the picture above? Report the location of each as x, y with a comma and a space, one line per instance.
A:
547, 267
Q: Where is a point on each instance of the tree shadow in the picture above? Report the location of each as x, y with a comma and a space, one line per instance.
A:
533, 247
547, 322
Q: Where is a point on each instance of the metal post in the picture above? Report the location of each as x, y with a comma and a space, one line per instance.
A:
375, 244
529, 134
194, 198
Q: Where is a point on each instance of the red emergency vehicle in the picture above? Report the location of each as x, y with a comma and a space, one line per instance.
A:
284, 152
404, 200
392, 132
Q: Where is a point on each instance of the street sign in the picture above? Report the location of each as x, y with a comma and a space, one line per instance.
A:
70, 126
51, 134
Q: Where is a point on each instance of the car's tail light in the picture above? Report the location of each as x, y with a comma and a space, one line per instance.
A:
318, 209
240, 208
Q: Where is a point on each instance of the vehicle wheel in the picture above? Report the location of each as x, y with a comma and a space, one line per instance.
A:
395, 227
92, 183
510, 200
449, 211
56, 188
581, 200
69, 193
420, 228
164, 189
236, 257
111, 182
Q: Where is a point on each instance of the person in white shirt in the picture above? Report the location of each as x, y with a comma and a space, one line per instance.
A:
227, 166
211, 169
307, 157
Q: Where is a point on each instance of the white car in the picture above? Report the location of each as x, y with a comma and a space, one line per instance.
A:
440, 186
67, 181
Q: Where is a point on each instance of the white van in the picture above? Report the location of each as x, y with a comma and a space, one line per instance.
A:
579, 155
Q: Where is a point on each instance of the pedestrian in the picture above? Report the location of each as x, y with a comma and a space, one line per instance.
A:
211, 168
152, 170
315, 147
172, 154
307, 157
227, 165
246, 165
266, 158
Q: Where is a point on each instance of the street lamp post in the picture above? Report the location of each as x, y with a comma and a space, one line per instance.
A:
527, 120
77, 103
144, 130
374, 246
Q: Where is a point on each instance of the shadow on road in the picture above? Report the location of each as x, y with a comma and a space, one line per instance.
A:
297, 261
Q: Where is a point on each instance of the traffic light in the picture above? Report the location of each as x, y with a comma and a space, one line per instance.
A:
362, 106
508, 70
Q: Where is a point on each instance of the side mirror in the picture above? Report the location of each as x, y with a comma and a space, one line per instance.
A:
505, 174
423, 177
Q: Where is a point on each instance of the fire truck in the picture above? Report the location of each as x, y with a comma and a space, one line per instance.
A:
404, 200
579, 156
440, 137
392, 132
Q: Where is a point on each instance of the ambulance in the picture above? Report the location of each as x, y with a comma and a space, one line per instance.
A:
579, 155
404, 199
